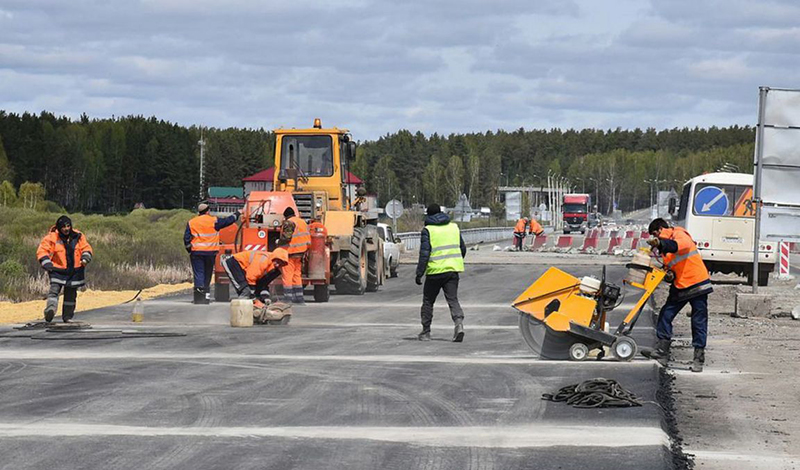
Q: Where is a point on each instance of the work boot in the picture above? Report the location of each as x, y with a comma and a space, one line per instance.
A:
458, 334
425, 335
699, 360
49, 314
660, 353
199, 297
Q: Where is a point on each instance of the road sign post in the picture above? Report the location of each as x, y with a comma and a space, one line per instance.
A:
394, 209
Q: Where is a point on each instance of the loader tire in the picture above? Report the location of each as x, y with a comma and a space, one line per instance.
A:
351, 272
375, 271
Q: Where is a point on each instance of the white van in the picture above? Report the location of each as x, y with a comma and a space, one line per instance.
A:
391, 249
718, 212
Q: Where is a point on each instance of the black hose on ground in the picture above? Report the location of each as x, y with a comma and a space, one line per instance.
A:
594, 393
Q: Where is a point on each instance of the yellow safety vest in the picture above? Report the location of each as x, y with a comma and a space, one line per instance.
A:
445, 249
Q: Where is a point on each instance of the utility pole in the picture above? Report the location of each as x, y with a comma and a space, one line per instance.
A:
202, 144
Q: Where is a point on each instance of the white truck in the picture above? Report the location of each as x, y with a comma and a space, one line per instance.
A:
718, 211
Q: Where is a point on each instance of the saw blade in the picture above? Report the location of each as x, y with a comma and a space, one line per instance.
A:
546, 343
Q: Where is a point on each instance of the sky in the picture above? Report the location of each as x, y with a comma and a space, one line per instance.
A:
378, 66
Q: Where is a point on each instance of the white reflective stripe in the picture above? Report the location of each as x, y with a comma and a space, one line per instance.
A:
46, 260
454, 255
205, 234
227, 269
69, 303
295, 245
205, 244
682, 257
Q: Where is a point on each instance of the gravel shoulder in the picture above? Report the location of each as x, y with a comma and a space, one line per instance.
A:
742, 412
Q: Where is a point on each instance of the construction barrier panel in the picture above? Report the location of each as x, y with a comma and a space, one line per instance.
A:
589, 242
538, 242
784, 254
564, 241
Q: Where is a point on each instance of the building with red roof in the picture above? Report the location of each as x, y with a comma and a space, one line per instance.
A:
262, 181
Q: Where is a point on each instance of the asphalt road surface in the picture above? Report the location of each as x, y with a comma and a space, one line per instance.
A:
344, 386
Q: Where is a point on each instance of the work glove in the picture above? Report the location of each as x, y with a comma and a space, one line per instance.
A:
654, 242
48, 267
418, 280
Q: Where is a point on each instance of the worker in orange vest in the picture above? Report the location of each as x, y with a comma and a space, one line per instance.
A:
64, 254
534, 228
519, 233
691, 285
201, 239
251, 272
296, 238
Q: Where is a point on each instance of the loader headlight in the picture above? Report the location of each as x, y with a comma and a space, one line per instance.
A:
319, 203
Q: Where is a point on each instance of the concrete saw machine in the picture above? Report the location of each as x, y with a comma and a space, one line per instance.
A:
562, 317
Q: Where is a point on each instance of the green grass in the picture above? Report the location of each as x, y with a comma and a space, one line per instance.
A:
135, 251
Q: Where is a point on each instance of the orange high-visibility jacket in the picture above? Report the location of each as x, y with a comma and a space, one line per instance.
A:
317, 228
520, 227
301, 237
256, 264
205, 236
535, 227
52, 249
687, 264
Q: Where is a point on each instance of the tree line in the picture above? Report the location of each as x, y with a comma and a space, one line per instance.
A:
108, 165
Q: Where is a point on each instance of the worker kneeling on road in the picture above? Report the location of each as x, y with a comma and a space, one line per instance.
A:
64, 254
251, 272
441, 258
296, 239
691, 285
201, 239
519, 233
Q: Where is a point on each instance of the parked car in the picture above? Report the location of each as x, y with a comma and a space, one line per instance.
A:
391, 249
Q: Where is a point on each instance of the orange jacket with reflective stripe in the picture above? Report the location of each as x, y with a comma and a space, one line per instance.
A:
256, 263
535, 227
205, 236
687, 264
52, 249
301, 237
520, 227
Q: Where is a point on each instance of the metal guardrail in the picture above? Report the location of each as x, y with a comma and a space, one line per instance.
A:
470, 236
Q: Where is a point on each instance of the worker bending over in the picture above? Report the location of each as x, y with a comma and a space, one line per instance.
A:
535, 229
64, 254
519, 233
201, 239
251, 272
691, 285
441, 258
296, 239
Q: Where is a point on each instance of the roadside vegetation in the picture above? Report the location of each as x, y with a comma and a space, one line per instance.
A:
134, 251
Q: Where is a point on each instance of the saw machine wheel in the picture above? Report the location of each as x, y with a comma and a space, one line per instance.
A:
546, 343
578, 352
624, 348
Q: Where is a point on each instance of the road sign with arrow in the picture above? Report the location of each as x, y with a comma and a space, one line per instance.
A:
711, 200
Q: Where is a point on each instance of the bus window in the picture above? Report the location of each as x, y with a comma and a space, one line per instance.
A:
684, 202
722, 200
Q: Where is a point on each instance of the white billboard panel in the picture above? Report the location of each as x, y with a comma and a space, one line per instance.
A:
780, 224
783, 108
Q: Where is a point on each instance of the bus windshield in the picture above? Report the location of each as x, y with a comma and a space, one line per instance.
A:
723, 200
311, 154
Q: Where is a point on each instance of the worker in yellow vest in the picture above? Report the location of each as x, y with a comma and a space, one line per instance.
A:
201, 239
441, 258
296, 239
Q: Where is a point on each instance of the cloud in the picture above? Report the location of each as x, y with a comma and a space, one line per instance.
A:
376, 66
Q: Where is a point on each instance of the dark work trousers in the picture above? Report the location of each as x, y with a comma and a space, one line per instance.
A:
519, 239
203, 268
699, 319
448, 282
70, 296
239, 280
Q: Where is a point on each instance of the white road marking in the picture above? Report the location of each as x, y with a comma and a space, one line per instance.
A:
533, 435
736, 457
54, 355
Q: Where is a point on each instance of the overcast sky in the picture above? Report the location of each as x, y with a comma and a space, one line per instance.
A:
377, 66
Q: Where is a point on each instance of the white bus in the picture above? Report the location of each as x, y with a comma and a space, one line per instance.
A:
718, 211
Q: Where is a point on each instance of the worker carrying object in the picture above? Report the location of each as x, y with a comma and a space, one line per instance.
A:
201, 240
64, 254
519, 233
441, 258
296, 239
691, 285
251, 272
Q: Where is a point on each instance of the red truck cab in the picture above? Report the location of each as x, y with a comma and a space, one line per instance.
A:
576, 212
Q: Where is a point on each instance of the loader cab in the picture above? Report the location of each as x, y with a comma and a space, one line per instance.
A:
312, 164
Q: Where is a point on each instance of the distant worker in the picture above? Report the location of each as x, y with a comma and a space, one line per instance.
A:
534, 228
441, 258
296, 238
691, 285
201, 240
519, 233
251, 272
64, 254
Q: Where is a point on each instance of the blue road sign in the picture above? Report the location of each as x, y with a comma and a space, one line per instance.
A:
710, 200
